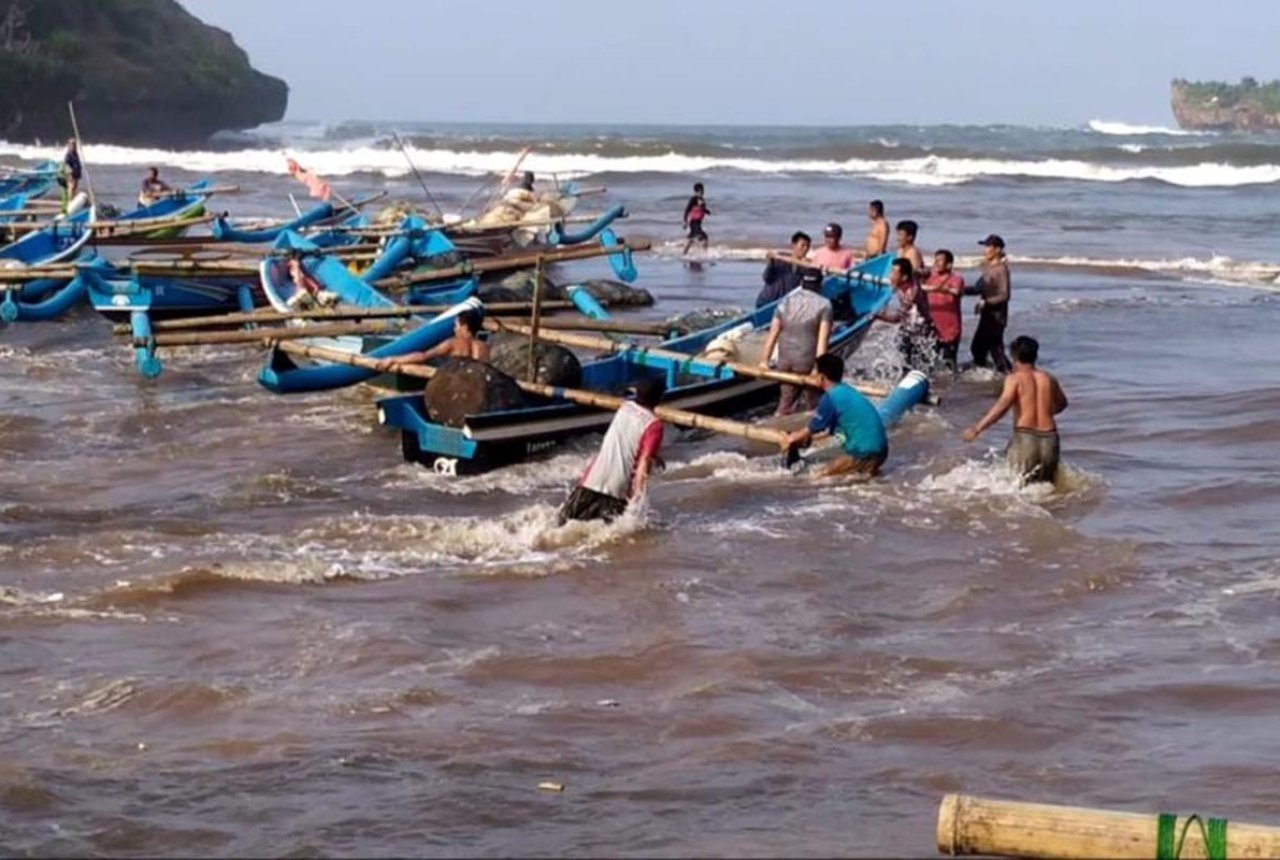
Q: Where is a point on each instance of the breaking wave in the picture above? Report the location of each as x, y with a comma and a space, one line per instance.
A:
919, 169
1102, 126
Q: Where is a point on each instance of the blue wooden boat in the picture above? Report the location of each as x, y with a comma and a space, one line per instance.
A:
283, 374
180, 205
61, 240
34, 183
121, 294
495, 439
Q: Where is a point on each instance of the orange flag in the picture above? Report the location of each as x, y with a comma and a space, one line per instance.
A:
315, 185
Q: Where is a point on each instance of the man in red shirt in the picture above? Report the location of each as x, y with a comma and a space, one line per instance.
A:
943, 289
619, 472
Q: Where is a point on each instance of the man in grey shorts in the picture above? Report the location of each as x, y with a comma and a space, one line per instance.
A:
800, 330
1035, 397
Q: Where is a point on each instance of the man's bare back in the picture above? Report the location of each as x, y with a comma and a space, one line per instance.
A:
1037, 398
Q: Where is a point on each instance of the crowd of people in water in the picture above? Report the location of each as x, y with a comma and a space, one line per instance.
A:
926, 307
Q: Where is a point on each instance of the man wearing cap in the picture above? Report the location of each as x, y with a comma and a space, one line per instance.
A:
994, 286
801, 329
832, 256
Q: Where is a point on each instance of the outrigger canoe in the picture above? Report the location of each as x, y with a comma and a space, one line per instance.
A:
121, 294
285, 375
34, 183
61, 240
697, 384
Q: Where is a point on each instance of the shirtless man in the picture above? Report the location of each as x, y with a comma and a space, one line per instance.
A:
906, 234
463, 344
1035, 398
877, 241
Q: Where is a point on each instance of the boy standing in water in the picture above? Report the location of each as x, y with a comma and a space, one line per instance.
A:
694, 213
877, 241
1035, 397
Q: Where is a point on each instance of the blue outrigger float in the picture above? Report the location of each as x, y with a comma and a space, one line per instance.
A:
224, 231
704, 385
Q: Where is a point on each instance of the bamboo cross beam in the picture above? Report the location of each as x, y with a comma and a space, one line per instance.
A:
998, 828
753, 371
515, 261
22, 274
340, 313
132, 227
838, 273
267, 335
678, 417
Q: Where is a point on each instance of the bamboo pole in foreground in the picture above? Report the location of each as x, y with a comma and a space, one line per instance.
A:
976, 825
678, 417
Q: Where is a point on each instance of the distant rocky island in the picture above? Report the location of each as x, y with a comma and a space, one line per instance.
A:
138, 71
1216, 106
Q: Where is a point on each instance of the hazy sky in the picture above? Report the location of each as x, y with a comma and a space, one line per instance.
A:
821, 62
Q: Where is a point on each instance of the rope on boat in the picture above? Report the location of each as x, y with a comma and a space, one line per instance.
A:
1213, 832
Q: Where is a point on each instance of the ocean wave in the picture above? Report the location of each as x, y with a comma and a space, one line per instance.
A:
1102, 126
1214, 269
927, 170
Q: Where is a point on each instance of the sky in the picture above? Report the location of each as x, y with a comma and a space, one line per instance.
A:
749, 62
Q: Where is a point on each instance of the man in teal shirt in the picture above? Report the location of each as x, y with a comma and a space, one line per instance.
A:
849, 415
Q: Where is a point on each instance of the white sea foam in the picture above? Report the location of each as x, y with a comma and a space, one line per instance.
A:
1124, 129
1215, 268
924, 171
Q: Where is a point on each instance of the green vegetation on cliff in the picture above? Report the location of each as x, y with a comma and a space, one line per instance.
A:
137, 70
1214, 105
1248, 91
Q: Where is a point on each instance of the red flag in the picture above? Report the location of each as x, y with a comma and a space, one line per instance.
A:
315, 185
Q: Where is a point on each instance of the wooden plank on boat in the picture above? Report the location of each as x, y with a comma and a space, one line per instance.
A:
340, 313
678, 417
267, 335
975, 825
748, 370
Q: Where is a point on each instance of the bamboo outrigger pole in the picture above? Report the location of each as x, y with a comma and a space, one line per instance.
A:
678, 417
999, 828
749, 370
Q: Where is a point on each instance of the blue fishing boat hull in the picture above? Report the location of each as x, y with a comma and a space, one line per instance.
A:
285, 375
496, 439
63, 240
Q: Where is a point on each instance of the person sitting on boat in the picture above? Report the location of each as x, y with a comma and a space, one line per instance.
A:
153, 187
307, 291
465, 343
781, 276
801, 330
1035, 398
619, 472
847, 413
915, 334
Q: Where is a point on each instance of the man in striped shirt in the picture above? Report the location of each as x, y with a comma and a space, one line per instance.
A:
619, 472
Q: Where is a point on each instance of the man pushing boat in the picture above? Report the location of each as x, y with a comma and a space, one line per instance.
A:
1035, 397
619, 472
845, 412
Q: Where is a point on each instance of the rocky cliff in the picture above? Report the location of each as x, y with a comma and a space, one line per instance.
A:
139, 71
1215, 106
